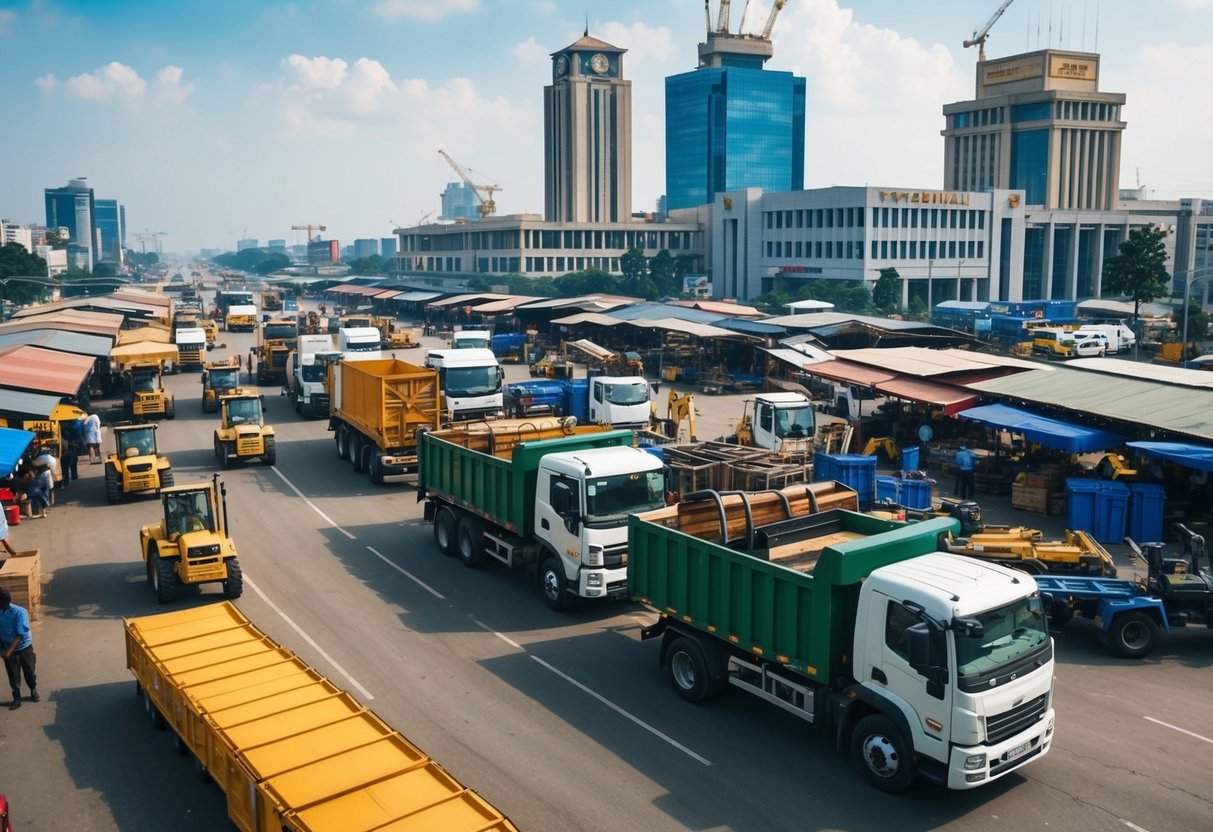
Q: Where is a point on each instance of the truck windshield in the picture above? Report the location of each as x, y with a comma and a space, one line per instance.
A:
223, 379
794, 423
472, 381
365, 346
470, 343
624, 394
1007, 635
188, 512
283, 331
143, 381
141, 442
244, 411
617, 496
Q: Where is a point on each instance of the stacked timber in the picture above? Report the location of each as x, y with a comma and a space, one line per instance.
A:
720, 466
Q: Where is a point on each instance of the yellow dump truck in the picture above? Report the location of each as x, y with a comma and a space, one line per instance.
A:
290, 751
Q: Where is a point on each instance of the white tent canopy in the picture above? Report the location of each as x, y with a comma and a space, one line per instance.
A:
808, 305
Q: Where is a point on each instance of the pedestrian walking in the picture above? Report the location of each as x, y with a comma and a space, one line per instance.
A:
966, 463
71, 456
18, 647
4, 541
40, 485
91, 433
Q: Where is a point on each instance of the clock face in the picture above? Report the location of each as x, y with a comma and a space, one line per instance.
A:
562, 65
599, 63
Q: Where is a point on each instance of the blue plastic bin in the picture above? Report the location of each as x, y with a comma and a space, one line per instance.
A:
1081, 495
915, 494
1146, 501
852, 470
909, 459
1112, 520
886, 490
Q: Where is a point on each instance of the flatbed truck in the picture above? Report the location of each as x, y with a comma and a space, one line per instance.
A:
919, 663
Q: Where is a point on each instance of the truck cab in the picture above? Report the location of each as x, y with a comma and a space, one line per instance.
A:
360, 343
308, 379
240, 318
242, 434
219, 380
620, 401
471, 339
276, 338
779, 422
191, 347
146, 397
854, 401
470, 380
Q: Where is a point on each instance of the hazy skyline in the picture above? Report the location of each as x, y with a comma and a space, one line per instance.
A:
221, 120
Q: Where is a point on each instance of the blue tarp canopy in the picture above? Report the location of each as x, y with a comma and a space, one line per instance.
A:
12, 445
1043, 430
1199, 457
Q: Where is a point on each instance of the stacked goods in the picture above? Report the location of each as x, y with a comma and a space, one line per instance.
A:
22, 577
720, 466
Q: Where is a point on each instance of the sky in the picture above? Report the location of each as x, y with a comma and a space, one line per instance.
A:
220, 120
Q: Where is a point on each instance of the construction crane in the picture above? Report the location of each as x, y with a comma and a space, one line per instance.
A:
427, 215
776, 7
308, 228
484, 193
145, 237
981, 35
722, 22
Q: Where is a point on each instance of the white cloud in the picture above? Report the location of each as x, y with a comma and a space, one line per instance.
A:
368, 85
46, 83
169, 88
320, 72
645, 44
428, 11
112, 80
530, 52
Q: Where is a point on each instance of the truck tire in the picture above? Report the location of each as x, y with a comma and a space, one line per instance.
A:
470, 542
271, 451
1060, 613
113, 487
339, 439
166, 478
1132, 635
151, 567
221, 451
164, 579
233, 587
883, 755
376, 468
358, 453
687, 669
446, 527
366, 453
298, 404
552, 582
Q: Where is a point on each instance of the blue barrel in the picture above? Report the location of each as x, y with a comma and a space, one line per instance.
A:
1146, 501
852, 470
1081, 496
915, 494
909, 459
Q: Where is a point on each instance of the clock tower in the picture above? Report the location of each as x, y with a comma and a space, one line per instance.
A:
587, 114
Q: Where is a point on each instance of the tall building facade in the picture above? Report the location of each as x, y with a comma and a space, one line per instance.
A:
365, 247
730, 124
110, 222
387, 247
73, 207
1039, 124
459, 202
587, 112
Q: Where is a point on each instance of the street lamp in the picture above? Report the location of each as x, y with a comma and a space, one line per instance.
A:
1190, 278
959, 263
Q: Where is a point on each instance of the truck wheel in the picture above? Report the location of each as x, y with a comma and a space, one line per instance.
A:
1132, 635
233, 586
164, 579
151, 567
687, 669
271, 451
225, 461
170, 410
339, 440
552, 582
446, 526
113, 487
882, 754
470, 542
166, 478
1060, 613
376, 469
298, 405
360, 453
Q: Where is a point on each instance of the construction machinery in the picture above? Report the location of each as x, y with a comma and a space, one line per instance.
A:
882, 444
980, 36
679, 409
271, 300
145, 396
484, 193
219, 379
393, 338
276, 338
1024, 548
242, 434
136, 466
190, 544
552, 365
210, 331
780, 422
608, 361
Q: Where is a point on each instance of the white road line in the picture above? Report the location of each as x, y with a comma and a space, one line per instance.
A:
407, 574
501, 636
1133, 826
366, 694
624, 713
311, 505
1177, 728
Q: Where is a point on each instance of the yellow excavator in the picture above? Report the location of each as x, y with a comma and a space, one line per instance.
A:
883, 444
681, 409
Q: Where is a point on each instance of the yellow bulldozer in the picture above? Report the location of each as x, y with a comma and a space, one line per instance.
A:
242, 434
136, 466
190, 543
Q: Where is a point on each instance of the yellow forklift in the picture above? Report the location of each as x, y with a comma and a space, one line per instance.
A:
190, 544
219, 379
145, 396
242, 434
136, 466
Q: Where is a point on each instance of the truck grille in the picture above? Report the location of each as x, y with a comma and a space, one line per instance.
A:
1011, 722
139, 468
615, 557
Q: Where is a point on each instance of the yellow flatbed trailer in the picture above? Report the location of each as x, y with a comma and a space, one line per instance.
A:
289, 749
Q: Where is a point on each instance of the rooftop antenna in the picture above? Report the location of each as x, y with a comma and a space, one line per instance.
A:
587, 25
707, 13
1084, 25
1096, 49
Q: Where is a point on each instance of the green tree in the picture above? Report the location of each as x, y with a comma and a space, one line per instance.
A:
16, 262
663, 273
586, 282
369, 265
1139, 270
886, 294
479, 283
1198, 325
537, 286
634, 266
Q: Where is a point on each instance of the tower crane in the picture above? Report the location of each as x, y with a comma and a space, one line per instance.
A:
484, 193
776, 7
981, 35
308, 228
722, 21
427, 215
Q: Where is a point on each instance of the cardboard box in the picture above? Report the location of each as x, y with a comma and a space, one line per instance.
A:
1029, 498
22, 577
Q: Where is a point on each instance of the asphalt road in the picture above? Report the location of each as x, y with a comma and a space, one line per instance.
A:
564, 722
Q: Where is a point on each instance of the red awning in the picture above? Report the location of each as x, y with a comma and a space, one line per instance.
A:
47, 371
951, 399
849, 372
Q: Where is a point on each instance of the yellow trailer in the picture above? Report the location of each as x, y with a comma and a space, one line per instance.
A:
290, 750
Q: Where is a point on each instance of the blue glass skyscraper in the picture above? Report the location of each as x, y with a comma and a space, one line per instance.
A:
732, 124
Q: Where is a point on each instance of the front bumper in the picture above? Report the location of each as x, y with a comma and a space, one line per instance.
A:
602, 583
1001, 758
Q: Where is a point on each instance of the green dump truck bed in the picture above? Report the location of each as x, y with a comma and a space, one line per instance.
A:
491, 469
786, 591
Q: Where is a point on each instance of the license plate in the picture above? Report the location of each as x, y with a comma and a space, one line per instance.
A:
1019, 751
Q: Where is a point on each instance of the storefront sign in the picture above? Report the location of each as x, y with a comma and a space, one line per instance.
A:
1005, 73
1072, 68
925, 197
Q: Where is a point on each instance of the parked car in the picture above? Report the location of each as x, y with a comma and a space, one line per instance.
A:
1090, 344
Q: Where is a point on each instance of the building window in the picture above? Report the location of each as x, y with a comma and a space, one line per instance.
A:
818, 249
981, 249
874, 249
884, 249
787, 250
914, 217
1039, 111
932, 249
934, 217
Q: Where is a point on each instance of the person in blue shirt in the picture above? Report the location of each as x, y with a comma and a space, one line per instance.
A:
966, 462
18, 649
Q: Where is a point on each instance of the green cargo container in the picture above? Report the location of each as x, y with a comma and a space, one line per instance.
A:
804, 620
501, 490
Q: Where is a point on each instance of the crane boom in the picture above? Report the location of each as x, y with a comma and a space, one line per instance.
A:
722, 22
981, 35
309, 227
484, 193
776, 7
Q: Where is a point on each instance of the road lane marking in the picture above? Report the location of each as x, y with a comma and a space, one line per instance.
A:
624, 713
311, 505
501, 636
1133, 826
407, 574
1177, 728
249, 583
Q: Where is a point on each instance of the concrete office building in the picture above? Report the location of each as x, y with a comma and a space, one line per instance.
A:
587, 116
73, 207
249, 242
731, 124
365, 247
110, 222
387, 247
276, 247
1038, 123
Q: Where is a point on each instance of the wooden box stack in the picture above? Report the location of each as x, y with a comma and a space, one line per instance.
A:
22, 577
1030, 497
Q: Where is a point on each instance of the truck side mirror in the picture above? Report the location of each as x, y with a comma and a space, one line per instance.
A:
918, 642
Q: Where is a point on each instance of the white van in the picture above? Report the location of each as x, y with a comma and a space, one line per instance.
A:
1120, 337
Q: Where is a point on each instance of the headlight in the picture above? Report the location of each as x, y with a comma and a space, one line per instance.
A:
975, 762
593, 556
